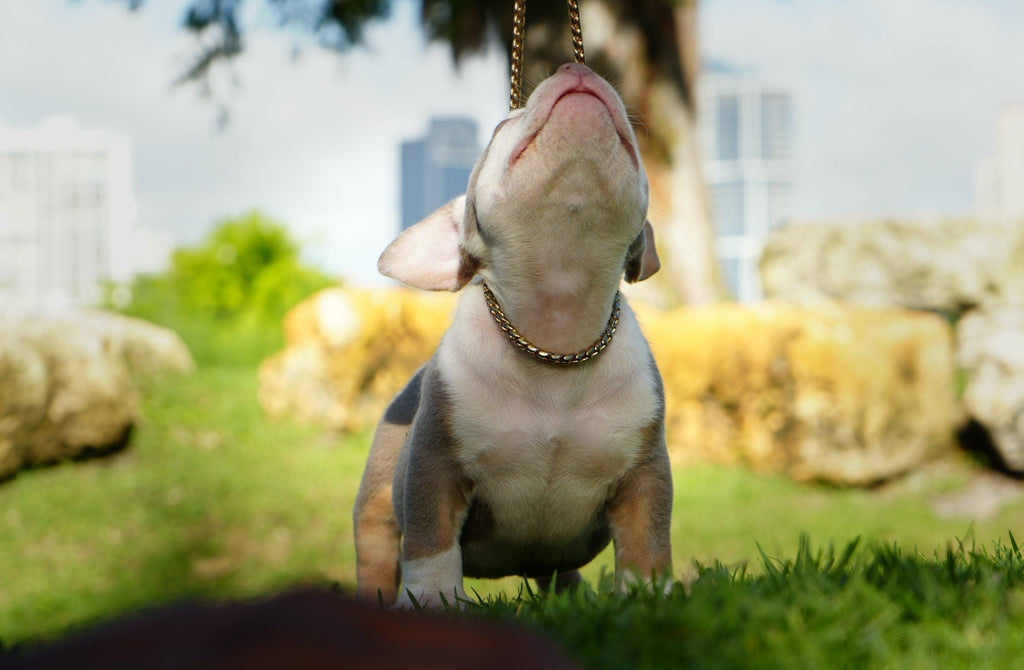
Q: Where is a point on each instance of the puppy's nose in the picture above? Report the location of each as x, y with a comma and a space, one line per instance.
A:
574, 68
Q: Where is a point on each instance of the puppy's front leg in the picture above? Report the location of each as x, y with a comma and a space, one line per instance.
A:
434, 499
640, 517
431, 555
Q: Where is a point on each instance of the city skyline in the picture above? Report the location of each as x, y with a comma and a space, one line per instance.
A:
897, 102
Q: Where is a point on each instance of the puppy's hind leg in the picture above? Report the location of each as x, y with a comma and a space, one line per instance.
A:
563, 581
377, 541
376, 529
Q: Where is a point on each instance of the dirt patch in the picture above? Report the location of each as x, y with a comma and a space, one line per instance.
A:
982, 499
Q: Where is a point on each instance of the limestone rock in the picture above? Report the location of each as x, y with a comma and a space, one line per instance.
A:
990, 343
845, 395
144, 348
944, 265
66, 384
848, 395
348, 351
24, 390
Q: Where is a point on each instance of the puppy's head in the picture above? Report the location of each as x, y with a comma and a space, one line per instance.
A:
561, 181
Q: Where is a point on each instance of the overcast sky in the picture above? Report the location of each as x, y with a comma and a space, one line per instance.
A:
897, 101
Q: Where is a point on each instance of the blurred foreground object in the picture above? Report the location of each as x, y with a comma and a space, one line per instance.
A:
67, 384
970, 271
846, 395
307, 630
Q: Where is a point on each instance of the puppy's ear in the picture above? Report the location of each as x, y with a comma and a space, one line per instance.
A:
642, 258
427, 255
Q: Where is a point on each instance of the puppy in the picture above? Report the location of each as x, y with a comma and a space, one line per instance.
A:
535, 433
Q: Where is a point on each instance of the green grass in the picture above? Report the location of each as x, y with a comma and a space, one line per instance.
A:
876, 608
214, 500
210, 500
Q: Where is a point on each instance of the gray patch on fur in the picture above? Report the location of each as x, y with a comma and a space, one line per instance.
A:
402, 409
430, 488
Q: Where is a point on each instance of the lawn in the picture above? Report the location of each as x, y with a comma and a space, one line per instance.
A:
213, 500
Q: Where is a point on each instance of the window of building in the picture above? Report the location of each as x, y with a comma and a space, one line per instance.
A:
727, 200
731, 274
728, 115
776, 126
780, 198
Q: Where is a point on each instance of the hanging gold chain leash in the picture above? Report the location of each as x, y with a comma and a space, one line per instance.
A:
516, 102
577, 32
519, 35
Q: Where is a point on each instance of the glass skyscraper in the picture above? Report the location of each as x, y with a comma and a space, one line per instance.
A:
436, 168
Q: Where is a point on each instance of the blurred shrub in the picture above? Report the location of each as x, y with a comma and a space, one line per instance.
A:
226, 296
246, 267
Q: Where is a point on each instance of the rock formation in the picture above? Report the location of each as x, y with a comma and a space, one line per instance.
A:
67, 384
990, 351
970, 271
946, 266
348, 351
839, 394
846, 395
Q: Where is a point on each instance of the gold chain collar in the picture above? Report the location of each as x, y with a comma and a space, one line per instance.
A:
524, 345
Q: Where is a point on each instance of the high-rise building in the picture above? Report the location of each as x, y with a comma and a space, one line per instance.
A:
747, 138
999, 179
436, 168
66, 210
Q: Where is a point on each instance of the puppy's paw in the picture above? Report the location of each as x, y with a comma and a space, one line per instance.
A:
631, 582
415, 597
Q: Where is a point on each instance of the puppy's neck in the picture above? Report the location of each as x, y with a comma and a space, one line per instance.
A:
558, 311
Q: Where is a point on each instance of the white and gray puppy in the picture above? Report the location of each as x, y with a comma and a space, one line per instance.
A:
493, 461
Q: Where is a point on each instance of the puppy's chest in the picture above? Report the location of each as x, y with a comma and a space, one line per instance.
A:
549, 445
545, 465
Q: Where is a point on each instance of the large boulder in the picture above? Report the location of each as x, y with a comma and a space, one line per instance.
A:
67, 384
839, 394
990, 350
24, 396
349, 351
145, 349
946, 266
846, 395
972, 271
